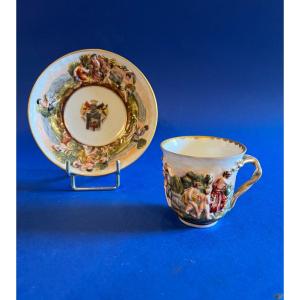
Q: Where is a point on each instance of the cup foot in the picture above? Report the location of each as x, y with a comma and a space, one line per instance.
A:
198, 225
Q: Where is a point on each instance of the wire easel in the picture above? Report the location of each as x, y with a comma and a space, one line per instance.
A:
94, 188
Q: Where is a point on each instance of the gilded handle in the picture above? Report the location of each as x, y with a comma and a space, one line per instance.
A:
247, 185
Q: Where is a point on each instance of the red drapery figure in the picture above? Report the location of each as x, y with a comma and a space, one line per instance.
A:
218, 195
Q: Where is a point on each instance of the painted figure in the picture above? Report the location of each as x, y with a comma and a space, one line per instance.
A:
88, 166
140, 131
66, 138
129, 82
60, 148
116, 76
104, 66
105, 157
95, 67
196, 202
87, 159
45, 103
80, 73
90, 157
220, 191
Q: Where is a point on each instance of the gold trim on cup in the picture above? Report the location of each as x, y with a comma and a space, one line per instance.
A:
204, 137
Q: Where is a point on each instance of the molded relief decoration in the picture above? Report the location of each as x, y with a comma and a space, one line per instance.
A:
94, 70
198, 196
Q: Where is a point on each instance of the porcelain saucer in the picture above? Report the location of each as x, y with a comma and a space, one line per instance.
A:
92, 107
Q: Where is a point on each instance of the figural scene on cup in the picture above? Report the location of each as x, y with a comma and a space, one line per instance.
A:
198, 196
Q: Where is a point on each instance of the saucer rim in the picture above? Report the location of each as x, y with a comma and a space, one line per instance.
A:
99, 172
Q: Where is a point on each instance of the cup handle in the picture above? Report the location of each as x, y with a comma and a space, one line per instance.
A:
247, 185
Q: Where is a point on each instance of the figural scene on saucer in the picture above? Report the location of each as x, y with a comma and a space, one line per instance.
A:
91, 108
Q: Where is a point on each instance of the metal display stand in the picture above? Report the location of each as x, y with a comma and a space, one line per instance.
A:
95, 188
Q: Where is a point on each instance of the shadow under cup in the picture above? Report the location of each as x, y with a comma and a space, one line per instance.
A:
199, 177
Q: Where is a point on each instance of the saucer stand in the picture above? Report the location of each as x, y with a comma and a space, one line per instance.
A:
95, 188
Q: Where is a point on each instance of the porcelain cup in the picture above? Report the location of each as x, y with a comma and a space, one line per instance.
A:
200, 174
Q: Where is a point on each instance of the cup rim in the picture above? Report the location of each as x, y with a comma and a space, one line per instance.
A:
208, 137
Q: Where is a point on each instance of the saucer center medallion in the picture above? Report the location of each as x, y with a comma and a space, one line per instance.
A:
95, 116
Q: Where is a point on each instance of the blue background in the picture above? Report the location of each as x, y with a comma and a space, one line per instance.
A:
217, 69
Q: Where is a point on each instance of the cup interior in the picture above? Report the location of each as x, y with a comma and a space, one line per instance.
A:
203, 146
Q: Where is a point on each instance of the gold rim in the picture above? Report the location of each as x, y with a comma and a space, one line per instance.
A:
103, 172
207, 137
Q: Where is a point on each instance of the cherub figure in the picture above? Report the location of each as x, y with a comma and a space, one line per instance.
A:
80, 73
196, 202
140, 131
66, 138
89, 150
104, 158
88, 165
45, 103
219, 192
60, 147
